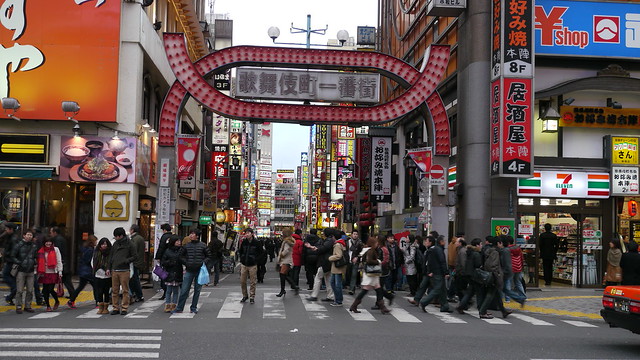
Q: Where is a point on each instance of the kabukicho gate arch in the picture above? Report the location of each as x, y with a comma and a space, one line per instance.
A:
420, 85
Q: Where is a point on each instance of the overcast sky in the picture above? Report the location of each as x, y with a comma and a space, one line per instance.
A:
252, 19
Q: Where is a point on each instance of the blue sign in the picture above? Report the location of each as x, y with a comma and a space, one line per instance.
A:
584, 28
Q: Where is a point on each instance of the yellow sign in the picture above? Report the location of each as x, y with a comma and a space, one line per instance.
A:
624, 150
114, 206
599, 117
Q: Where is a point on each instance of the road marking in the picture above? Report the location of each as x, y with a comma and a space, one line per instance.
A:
363, 315
403, 315
232, 307
86, 337
531, 320
143, 311
91, 314
79, 354
445, 317
63, 330
46, 315
579, 323
273, 307
315, 310
494, 321
79, 345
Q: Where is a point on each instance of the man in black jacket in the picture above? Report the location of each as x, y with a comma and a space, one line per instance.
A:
437, 272
215, 249
24, 255
310, 257
548, 249
195, 254
162, 246
250, 251
120, 258
323, 251
9, 239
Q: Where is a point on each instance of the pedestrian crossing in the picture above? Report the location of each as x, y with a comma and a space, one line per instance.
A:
227, 306
79, 343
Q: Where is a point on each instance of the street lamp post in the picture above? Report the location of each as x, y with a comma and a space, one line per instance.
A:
274, 33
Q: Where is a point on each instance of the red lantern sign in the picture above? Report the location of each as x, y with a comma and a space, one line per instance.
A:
632, 208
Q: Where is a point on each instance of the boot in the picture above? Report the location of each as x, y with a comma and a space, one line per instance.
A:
167, 308
173, 306
100, 308
354, 306
383, 308
281, 294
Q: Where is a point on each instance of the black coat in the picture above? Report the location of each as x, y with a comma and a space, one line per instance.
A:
548, 245
399, 257
162, 245
325, 249
250, 251
195, 254
24, 254
122, 254
310, 256
630, 264
172, 262
436, 262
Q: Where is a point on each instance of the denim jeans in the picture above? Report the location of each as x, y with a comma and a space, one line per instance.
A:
508, 291
172, 295
9, 280
336, 285
439, 290
355, 274
189, 277
392, 281
215, 266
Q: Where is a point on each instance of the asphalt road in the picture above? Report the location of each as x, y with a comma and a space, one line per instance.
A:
294, 328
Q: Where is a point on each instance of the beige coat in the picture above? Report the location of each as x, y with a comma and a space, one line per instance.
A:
338, 252
285, 256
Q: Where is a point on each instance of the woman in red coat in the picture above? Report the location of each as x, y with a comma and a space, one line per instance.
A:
49, 272
298, 246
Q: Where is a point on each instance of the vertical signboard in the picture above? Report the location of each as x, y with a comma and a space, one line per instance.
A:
511, 89
363, 152
381, 169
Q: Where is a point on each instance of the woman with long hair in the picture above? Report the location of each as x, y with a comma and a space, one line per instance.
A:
285, 259
49, 272
613, 276
102, 274
370, 276
172, 262
85, 271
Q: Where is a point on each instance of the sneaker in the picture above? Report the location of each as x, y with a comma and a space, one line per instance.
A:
115, 312
140, 299
40, 302
55, 305
194, 311
71, 304
446, 311
18, 310
29, 310
335, 304
176, 311
123, 312
49, 309
327, 300
244, 299
486, 316
412, 302
351, 292
252, 301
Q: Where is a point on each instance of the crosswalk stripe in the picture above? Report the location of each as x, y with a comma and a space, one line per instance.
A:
84, 337
46, 315
79, 354
232, 307
64, 330
315, 310
494, 321
143, 311
363, 315
531, 320
403, 315
273, 307
91, 314
579, 323
79, 345
445, 317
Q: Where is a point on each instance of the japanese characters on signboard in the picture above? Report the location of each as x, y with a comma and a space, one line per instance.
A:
599, 117
346, 167
496, 39
517, 157
517, 51
346, 132
624, 150
163, 205
219, 161
220, 130
624, 180
275, 84
381, 169
587, 28
366, 35
63, 50
364, 160
495, 117
222, 81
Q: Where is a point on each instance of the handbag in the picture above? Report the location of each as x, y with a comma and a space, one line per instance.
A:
613, 273
482, 277
284, 269
373, 269
59, 287
203, 276
161, 272
341, 262
14, 270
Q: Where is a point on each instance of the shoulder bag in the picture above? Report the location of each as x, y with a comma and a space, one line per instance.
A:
482, 277
161, 272
373, 269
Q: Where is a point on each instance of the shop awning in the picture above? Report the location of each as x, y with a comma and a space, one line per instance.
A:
27, 172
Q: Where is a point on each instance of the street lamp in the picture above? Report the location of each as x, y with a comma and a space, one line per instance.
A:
274, 33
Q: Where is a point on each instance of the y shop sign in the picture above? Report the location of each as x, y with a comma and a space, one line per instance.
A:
584, 28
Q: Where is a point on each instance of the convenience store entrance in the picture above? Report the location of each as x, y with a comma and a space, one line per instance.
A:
578, 223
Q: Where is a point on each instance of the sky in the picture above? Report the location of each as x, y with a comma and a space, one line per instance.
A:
252, 19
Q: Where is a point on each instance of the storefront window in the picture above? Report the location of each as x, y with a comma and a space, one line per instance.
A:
525, 201
558, 202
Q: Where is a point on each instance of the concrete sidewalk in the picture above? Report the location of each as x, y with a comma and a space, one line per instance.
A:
565, 301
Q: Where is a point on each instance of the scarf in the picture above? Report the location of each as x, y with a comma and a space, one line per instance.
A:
46, 259
100, 259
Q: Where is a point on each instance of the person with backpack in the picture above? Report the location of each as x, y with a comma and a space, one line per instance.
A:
339, 260
491, 263
310, 257
85, 271
473, 261
194, 255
